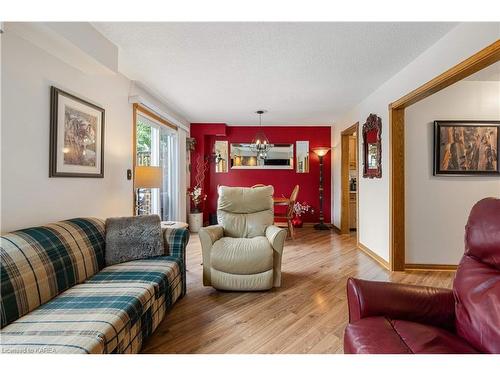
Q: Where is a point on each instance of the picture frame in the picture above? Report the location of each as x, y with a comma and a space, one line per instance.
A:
466, 148
372, 147
76, 136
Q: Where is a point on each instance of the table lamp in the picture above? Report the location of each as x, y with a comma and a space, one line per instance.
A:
146, 178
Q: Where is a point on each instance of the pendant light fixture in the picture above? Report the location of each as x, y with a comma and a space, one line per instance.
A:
260, 143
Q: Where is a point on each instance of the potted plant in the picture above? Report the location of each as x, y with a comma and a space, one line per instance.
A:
300, 209
196, 196
196, 215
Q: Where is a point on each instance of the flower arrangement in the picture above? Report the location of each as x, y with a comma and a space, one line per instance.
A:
196, 193
300, 209
197, 197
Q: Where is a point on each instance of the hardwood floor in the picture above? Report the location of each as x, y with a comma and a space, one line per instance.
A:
307, 314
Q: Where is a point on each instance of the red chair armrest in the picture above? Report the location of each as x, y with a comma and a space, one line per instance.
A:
434, 306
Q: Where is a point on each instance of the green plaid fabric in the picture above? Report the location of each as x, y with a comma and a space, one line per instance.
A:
39, 263
56, 298
112, 312
176, 241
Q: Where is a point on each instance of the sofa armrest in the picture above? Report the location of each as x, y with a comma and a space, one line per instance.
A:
433, 306
276, 237
175, 241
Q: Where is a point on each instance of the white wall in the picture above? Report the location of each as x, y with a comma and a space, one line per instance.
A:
29, 196
437, 207
460, 43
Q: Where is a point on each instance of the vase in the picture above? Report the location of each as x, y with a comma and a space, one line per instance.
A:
195, 221
297, 222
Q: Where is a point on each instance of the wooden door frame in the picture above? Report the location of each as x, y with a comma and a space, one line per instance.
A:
475, 63
140, 109
344, 178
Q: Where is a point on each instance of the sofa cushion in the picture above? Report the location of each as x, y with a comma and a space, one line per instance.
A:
426, 339
482, 232
242, 256
132, 238
477, 304
373, 335
477, 282
39, 263
111, 312
379, 335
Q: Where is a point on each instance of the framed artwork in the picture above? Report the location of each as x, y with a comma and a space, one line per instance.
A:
466, 148
76, 136
372, 147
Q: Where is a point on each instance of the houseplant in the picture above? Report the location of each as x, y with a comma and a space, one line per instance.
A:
300, 209
196, 195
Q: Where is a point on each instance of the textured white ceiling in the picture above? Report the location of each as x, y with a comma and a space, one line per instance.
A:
302, 73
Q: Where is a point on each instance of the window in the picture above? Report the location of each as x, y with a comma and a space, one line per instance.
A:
156, 146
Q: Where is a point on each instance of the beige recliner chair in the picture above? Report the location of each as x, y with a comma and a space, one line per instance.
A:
244, 251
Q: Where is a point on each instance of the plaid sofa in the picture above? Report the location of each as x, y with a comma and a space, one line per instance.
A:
57, 296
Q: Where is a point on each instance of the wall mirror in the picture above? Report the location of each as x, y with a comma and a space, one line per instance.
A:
279, 156
302, 152
221, 156
372, 147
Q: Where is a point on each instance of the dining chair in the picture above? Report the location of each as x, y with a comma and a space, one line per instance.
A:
289, 212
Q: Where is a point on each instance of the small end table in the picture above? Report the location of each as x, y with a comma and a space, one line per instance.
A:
173, 225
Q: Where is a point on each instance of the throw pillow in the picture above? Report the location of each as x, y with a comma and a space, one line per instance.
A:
132, 238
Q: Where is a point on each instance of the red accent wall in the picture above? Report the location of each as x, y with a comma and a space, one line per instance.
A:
282, 180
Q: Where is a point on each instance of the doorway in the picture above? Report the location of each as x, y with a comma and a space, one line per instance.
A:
349, 176
482, 59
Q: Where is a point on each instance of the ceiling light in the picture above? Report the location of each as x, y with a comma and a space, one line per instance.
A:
260, 143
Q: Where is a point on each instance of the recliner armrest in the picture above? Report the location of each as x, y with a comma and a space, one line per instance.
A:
276, 237
428, 305
208, 235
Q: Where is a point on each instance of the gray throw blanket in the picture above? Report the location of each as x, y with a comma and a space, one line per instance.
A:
132, 238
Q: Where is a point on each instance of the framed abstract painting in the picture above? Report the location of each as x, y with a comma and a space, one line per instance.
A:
466, 148
76, 136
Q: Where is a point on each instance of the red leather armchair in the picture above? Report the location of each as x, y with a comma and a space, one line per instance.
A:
404, 319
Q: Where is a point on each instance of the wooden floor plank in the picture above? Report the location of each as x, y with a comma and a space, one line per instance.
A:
307, 314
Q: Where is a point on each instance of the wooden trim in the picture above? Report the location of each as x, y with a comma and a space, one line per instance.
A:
374, 256
344, 173
430, 267
475, 63
153, 115
336, 228
397, 189
134, 155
